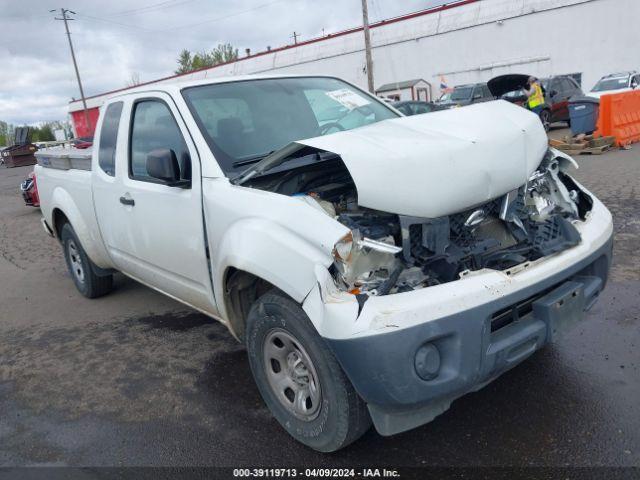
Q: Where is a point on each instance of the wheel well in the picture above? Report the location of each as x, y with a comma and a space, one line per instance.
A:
59, 219
241, 290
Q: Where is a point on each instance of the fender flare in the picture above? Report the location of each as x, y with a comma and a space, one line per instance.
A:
89, 238
271, 252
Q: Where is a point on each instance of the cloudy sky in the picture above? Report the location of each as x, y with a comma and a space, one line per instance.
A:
116, 39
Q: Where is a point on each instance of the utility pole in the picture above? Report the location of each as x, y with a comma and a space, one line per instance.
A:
367, 45
66, 18
295, 37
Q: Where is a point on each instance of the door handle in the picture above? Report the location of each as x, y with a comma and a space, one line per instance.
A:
127, 201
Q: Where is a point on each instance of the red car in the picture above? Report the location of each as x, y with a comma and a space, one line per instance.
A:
558, 90
29, 190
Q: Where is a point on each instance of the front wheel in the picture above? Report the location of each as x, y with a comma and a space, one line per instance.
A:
299, 378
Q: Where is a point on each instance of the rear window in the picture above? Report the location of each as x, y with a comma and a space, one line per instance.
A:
109, 138
461, 93
611, 84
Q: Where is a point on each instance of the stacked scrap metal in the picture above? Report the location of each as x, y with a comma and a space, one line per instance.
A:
21, 153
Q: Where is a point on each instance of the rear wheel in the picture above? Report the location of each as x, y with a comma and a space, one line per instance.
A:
81, 267
545, 118
299, 378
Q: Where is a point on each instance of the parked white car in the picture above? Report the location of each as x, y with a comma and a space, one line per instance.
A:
615, 83
376, 266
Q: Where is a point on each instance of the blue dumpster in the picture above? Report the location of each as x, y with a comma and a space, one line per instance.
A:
583, 112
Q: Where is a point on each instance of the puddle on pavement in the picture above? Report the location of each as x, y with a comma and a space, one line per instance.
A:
176, 322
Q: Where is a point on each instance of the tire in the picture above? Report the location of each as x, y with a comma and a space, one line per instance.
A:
81, 268
332, 414
545, 118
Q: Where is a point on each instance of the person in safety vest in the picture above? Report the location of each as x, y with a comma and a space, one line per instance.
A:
535, 95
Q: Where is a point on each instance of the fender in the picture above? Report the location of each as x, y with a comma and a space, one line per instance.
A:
87, 234
270, 251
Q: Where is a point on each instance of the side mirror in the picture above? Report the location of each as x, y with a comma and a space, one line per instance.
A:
163, 165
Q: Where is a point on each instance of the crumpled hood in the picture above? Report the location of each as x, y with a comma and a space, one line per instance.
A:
441, 163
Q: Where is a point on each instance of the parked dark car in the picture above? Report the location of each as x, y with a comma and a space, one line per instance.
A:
464, 95
414, 107
558, 90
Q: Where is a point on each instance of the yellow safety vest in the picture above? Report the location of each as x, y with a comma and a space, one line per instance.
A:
537, 98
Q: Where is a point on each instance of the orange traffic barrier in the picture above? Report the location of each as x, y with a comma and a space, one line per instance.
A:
620, 117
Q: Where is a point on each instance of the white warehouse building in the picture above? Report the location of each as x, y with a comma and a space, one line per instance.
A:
463, 42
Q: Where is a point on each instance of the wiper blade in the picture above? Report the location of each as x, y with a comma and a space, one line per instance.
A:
250, 160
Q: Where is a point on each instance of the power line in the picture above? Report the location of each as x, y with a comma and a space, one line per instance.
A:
224, 17
179, 27
112, 22
151, 8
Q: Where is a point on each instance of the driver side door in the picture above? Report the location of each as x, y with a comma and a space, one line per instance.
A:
154, 232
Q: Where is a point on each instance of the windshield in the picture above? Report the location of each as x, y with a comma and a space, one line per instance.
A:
445, 97
462, 93
611, 84
244, 121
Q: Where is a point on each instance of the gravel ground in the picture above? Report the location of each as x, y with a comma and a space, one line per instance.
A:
137, 379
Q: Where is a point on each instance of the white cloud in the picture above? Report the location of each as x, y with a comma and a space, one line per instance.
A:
116, 39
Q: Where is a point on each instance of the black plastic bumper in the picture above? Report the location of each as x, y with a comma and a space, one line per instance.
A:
475, 346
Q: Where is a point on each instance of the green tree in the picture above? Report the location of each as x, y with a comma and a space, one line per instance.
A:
188, 62
184, 62
43, 132
4, 134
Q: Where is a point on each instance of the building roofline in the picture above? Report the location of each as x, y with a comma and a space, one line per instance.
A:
329, 36
388, 87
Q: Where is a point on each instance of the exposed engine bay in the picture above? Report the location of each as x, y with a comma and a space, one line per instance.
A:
386, 253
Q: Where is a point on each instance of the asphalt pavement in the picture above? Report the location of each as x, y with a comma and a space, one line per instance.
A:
136, 378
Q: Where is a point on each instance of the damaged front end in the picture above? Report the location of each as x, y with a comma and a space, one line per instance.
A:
386, 254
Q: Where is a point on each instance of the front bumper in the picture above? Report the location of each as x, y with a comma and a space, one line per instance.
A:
480, 329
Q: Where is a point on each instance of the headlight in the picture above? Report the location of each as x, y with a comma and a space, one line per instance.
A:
363, 262
343, 248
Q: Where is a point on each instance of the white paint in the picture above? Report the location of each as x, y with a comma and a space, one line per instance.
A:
288, 242
434, 165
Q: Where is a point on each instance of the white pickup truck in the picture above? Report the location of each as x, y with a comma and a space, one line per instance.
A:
377, 267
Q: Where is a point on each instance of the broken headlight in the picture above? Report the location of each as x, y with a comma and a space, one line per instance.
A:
368, 265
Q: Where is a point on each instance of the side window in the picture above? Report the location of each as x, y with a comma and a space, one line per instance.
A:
153, 127
569, 86
419, 108
486, 93
109, 138
406, 109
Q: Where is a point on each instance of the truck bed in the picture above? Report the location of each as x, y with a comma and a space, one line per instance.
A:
65, 158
